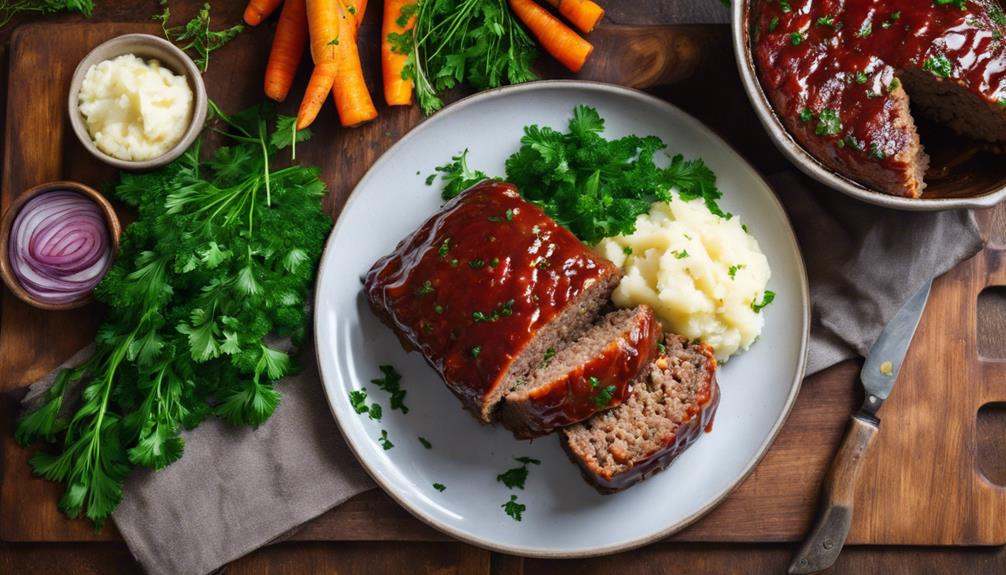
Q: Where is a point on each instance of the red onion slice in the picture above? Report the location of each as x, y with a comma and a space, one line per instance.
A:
59, 246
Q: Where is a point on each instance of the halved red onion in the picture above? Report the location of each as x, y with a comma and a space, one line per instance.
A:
59, 246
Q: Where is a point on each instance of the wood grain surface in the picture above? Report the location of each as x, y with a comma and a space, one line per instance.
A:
775, 504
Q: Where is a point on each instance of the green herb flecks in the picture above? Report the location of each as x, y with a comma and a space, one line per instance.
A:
939, 65
207, 274
766, 298
602, 396
549, 354
391, 384
516, 477
828, 123
513, 508
426, 443
439, 487
732, 272
384, 441
11, 8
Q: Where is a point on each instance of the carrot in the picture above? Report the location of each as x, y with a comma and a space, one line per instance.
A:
559, 40
359, 10
259, 10
323, 19
397, 90
352, 99
287, 49
584, 14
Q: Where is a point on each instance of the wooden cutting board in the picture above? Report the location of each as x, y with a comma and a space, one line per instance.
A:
921, 487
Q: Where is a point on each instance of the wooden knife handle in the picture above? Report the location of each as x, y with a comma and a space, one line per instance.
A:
826, 538
648, 56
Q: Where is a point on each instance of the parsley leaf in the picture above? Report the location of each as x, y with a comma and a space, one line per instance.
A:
426, 443
939, 65
439, 487
202, 41
515, 478
390, 383
457, 176
513, 508
766, 298
384, 441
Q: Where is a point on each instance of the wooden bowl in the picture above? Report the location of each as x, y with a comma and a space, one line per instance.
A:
147, 47
961, 174
7, 221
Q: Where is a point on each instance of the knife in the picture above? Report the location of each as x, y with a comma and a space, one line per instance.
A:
879, 374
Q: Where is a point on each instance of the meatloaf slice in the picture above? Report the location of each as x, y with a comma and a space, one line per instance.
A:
589, 375
672, 403
485, 287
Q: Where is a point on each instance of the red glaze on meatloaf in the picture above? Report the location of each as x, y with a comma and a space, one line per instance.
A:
590, 375
833, 68
484, 286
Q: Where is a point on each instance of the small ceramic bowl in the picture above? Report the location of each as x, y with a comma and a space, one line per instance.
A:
111, 221
147, 47
958, 176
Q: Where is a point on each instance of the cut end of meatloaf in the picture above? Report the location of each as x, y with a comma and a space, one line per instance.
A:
586, 376
672, 403
568, 325
947, 102
910, 181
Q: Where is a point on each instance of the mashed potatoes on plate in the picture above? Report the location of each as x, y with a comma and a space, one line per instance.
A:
699, 272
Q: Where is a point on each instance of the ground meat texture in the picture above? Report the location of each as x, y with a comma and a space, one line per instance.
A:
672, 403
841, 74
589, 375
485, 288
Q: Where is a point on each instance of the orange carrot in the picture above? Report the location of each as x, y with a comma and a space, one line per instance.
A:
584, 14
397, 90
359, 10
287, 49
323, 18
352, 99
559, 40
259, 10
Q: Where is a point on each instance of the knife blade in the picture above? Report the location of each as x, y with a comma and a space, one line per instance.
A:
879, 374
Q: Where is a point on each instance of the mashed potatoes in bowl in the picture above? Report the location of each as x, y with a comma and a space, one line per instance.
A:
704, 276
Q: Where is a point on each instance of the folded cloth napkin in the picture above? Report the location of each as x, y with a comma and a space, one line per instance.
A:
237, 489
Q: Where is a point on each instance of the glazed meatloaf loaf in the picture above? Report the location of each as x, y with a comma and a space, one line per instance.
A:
589, 375
839, 74
672, 403
487, 290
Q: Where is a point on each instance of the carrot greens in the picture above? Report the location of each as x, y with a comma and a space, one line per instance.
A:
11, 8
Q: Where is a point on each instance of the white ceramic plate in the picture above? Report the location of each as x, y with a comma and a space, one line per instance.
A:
565, 517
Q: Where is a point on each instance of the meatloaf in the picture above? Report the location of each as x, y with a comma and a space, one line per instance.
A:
671, 404
589, 375
839, 75
487, 289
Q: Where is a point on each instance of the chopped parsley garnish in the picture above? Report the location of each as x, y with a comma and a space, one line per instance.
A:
425, 289
797, 38
627, 250
384, 441
854, 143
495, 262
1002, 102
439, 487
391, 383
680, 254
475, 351
515, 478
767, 298
504, 309
962, 4
939, 65
865, 31
895, 83
509, 214
661, 347
876, 152
549, 354
454, 263
828, 123
376, 412
605, 395
861, 77
457, 176
773, 24
477, 263
514, 509
444, 247
806, 115
426, 442
895, 16
732, 272
596, 187
358, 399
784, 6
828, 20
438, 309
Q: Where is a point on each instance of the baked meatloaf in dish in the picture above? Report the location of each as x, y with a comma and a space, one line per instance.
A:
844, 76
488, 290
672, 403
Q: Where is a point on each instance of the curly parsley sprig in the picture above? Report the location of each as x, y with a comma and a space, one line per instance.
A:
195, 35
210, 273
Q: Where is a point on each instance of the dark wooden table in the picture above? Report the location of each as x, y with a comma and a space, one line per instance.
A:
712, 98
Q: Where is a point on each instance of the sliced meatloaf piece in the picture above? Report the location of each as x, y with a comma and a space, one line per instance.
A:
840, 74
672, 403
485, 288
589, 375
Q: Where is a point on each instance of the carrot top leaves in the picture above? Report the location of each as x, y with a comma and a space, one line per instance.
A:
201, 40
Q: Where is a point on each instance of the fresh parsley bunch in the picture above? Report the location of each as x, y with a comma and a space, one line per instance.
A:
479, 42
593, 186
11, 8
218, 263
